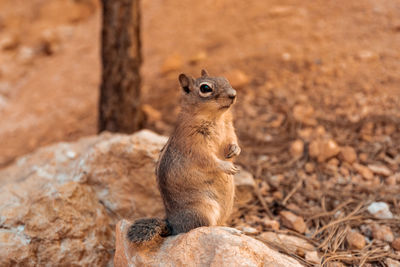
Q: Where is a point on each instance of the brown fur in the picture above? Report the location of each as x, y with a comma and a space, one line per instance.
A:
195, 169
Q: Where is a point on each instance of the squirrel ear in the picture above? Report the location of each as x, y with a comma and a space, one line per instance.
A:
204, 73
186, 82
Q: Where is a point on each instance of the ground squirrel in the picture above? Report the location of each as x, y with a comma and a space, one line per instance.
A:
195, 168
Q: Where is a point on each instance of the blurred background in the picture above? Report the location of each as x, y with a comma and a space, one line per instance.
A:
318, 87
335, 61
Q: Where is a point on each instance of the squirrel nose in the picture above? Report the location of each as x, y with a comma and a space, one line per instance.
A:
232, 94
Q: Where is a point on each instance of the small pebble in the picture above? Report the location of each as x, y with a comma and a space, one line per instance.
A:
380, 170
392, 263
355, 240
380, 210
293, 221
364, 171
382, 232
270, 224
71, 154
312, 256
396, 244
297, 148
348, 154
249, 230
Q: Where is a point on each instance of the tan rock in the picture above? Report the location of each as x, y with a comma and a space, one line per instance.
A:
396, 244
393, 179
277, 121
304, 114
363, 157
367, 55
392, 263
70, 195
270, 224
277, 195
305, 133
309, 167
355, 240
348, 154
294, 244
205, 246
364, 171
9, 42
297, 148
275, 180
323, 149
344, 171
293, 221
281, 11
50, 41
56, 224
380, 210
60, 204
390, 129
332, 165
237, 78
320, 131
380, 169
312, 256
382, 232
248, 230
25, 54
334, 162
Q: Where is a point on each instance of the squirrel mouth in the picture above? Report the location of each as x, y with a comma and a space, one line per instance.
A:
225, 107
228, 106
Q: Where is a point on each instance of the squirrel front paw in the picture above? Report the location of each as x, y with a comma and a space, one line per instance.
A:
228, 167
233, 150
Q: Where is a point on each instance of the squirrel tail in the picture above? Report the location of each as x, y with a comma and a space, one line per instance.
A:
144, 230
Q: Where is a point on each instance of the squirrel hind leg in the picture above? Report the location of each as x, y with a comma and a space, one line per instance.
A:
144, 230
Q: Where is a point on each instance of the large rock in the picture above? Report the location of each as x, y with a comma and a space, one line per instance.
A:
53, 225
205, 246
59, 205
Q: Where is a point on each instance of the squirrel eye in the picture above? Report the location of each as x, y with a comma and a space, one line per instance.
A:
205, 89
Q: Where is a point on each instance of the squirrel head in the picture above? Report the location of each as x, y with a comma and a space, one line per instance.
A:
206, 94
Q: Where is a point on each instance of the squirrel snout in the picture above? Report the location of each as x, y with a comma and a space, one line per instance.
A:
232, 94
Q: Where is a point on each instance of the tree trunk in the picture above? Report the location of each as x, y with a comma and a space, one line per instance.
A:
119, 105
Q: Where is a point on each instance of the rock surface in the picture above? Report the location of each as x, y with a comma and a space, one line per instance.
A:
60, 204
205, 246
